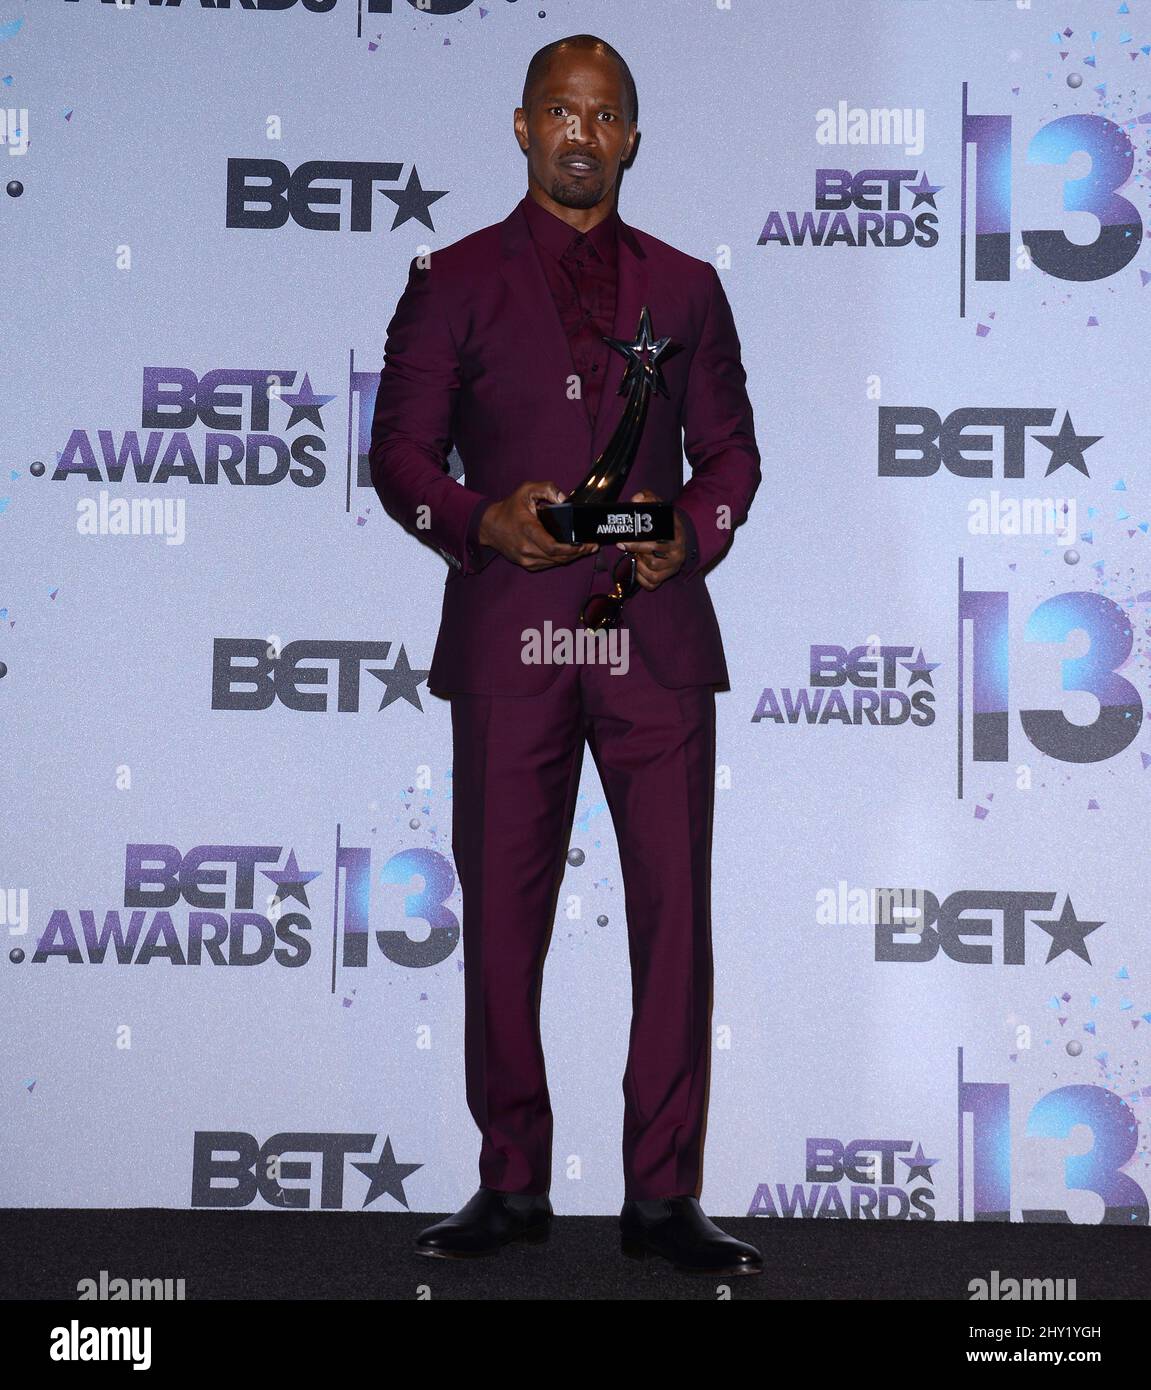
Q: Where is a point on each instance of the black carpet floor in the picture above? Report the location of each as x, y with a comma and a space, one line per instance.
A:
344, 1255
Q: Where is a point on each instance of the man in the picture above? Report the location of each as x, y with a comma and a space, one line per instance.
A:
498, 344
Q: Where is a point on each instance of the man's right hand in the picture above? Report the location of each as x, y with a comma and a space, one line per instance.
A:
512, 527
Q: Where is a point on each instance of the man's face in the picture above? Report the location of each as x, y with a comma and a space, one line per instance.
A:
577, 128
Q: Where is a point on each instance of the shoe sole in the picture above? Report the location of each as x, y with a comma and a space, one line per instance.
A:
638, 1250
537, 1235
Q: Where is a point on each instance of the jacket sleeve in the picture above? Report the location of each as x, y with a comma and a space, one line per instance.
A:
412, 429
718, 436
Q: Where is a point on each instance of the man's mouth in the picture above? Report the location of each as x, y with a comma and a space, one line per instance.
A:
577, 164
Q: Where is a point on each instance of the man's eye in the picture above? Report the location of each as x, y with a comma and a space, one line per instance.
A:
610, 115
552, 109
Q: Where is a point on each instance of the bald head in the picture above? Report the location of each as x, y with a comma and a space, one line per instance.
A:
579, 43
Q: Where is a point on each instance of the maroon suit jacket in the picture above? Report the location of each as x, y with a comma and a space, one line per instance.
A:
476, 354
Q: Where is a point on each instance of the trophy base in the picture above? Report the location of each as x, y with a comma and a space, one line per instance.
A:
576, 523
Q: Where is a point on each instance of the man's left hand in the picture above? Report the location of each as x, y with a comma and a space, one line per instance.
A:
657, 560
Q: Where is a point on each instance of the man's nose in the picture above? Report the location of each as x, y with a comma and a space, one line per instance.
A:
587, 136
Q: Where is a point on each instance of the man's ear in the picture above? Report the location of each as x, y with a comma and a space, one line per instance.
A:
519, 125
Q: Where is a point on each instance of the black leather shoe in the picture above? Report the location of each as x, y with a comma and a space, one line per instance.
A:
487, 1222
677, 1229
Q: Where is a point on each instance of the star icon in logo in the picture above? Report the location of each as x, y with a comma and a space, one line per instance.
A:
413, 201
306, 405
1067, 447
924, 191
918, 1166
400, 680
291, 880
920, 670
386, 1175
1067, 933
642, 356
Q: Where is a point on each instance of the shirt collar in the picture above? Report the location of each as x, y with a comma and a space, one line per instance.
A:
555, 235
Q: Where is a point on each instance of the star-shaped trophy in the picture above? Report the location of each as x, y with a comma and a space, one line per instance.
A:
592, 511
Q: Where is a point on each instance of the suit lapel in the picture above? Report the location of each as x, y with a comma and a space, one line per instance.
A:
631, 295
521, 270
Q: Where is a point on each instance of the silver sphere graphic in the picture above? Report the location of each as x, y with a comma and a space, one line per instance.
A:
1075, 79
1070, 557
1074, 1048
413, 824
576, 857
601, 920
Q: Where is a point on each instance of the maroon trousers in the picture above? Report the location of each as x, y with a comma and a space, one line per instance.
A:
515, 779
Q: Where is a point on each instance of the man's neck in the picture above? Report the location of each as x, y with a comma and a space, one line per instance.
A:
581, 219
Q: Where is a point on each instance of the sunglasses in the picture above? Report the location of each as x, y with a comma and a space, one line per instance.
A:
603, 610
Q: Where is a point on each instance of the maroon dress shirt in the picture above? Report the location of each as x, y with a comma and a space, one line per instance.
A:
581, 273
580, 269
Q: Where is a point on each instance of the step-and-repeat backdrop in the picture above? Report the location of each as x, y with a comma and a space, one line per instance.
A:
232, 971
